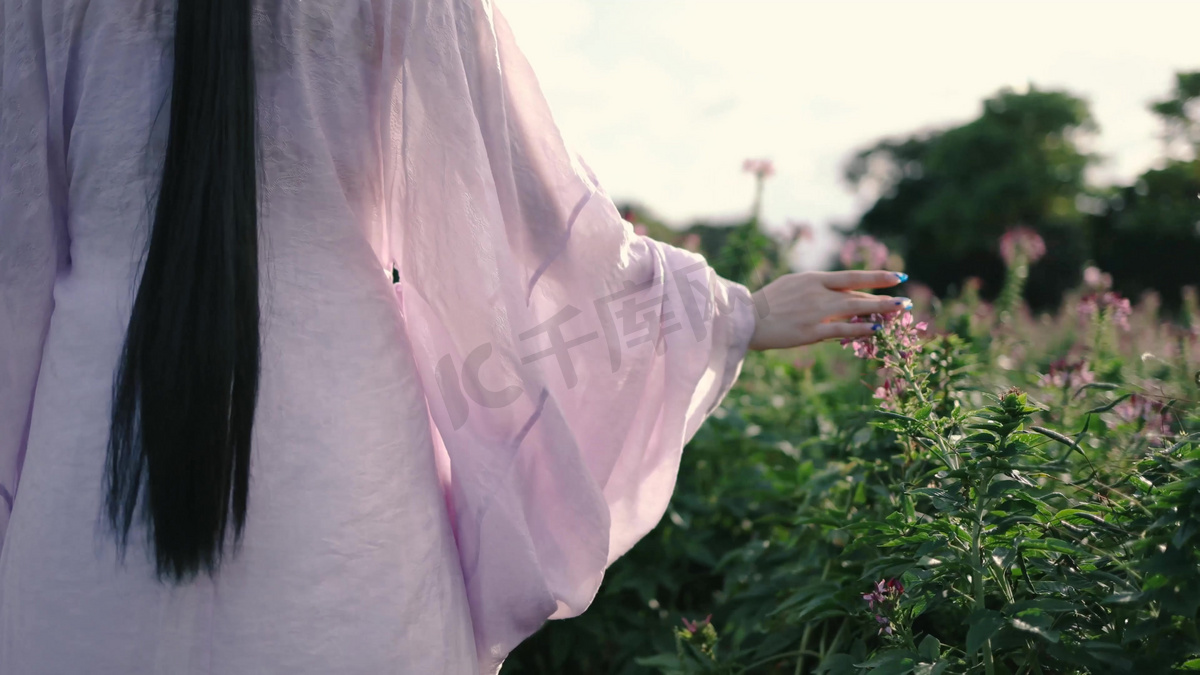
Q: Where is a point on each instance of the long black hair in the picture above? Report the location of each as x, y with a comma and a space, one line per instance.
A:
186, 386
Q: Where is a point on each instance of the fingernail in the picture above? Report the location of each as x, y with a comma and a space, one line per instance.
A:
904, 301
901, 276
875, 326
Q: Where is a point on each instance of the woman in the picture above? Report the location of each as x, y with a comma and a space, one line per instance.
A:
318, 470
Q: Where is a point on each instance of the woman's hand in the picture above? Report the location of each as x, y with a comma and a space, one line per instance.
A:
807, 307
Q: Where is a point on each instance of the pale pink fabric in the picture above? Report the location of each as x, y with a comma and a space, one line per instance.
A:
439, 466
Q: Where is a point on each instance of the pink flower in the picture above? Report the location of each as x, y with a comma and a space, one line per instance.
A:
888, 392
639, 230
883, 600
875, 596
693, 626
864, 250
884, 592
898, 326
1154, 413
864, 347
1067, 375
1110, 303
1121, 312
908, 334
761, 168
1022, 243
885, 624
1097, 280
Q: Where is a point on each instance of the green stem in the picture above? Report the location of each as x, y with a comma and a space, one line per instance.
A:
918, 386
977, 562
758, 191
799, 652
837, 639
809, 626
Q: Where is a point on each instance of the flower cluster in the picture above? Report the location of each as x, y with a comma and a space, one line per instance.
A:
889, 393
894, 344
864, 347
1108, 303
1066, 374
693, 626
700, 634
1096, 279
884, 600
864, 251
906, 333
1021, 245
1137, 407
761, 168
899, 330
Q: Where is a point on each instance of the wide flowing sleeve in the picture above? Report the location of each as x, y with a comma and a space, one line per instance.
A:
33, 240
566, 359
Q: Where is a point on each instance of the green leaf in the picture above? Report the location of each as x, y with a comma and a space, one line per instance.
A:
1123, 598
896, 416
1109, 406
942, 500
1005, 524
1045, 605
1106, 386
984, 625
1052, 544
1000, 487
982, 437
936, 668
1031, 626
836, 663
930, 648
1050, 433
666, 662
891, 662
1141, 482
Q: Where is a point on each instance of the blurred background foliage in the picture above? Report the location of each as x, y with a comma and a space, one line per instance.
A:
941, 200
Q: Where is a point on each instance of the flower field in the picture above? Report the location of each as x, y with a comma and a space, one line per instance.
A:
973, 490
1003, 480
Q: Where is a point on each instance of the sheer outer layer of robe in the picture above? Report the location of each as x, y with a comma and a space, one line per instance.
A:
565, 360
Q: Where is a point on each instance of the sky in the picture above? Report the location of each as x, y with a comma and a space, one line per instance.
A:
664, 99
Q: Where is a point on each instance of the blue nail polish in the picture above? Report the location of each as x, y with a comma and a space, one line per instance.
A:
905, 302
902, 276
875, 326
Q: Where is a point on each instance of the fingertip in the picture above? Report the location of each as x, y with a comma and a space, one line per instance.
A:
887, 279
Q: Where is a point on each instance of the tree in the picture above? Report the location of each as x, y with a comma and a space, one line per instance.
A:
946, 197
1148, 234
1180, 116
